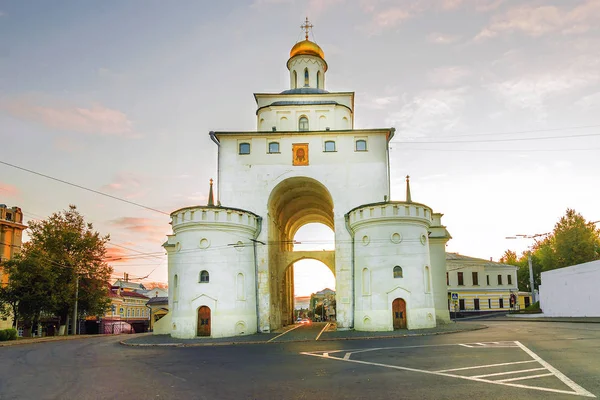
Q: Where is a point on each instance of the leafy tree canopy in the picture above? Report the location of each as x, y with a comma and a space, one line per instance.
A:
63, 249
573, 241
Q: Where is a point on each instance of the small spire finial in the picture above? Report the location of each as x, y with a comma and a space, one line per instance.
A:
306, 26
408, 199
211, 199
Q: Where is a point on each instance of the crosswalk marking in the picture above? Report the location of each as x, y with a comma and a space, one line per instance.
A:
512, 382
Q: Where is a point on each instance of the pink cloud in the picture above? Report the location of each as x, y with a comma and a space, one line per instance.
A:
94, 120
125, 185
9, 190
145, 226
441, 38
542, 20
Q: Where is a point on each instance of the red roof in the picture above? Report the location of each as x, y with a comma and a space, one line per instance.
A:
133, 294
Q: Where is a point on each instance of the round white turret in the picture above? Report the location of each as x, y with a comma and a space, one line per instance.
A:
211, 264
392, 261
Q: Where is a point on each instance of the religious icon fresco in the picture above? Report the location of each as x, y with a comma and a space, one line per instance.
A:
300, 152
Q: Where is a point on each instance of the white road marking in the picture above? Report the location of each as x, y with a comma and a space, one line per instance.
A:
556, 372
289, 330
508, 373
577, 390
486, 366
322, 330
525, 377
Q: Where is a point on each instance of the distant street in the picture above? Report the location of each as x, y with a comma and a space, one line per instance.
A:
517, 360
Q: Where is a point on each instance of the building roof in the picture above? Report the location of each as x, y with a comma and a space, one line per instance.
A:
158, 300
128, 285
126, 293
305, 90
460, 257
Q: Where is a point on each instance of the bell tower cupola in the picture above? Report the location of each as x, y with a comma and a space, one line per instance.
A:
307, 63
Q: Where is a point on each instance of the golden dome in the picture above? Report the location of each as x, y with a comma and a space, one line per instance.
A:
306, 47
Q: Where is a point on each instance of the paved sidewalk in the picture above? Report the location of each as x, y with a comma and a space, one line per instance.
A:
543, 318
268, 338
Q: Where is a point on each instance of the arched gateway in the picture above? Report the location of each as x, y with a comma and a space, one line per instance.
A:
305, 164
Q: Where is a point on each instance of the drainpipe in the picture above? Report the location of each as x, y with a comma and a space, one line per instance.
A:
254, 241
351, 232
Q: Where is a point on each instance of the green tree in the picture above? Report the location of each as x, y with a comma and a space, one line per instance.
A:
63, 251
574, 241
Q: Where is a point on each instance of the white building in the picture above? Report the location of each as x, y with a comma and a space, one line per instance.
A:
571, 291
231, 262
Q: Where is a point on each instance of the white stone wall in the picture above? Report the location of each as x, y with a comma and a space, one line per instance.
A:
389, 235
320, 116
216, 240
352, 178
571, 291
314, 65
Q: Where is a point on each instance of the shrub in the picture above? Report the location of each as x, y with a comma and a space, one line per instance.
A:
3, 335
12, 333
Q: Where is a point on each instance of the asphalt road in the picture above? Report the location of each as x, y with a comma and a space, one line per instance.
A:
517, 360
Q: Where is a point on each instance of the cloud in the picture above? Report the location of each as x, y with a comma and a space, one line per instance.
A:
441, 38
126, 185
9, 190
114, 253
388, 14
430, 111
448, 76
2, 14
589, 103
94, 120
67, 145
541, 20
377, 103
142, 226
530, 92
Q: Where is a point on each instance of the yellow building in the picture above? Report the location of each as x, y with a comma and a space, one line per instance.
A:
481, 285
159, 307
11, 238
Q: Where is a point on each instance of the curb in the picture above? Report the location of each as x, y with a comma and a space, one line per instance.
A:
210, 344
49, 339
521, 319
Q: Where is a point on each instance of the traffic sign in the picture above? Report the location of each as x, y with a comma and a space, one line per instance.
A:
454, 296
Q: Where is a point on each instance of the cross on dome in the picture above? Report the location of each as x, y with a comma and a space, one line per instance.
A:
306, 26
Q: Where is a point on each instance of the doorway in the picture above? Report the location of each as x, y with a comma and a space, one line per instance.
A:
399, 313
203, 321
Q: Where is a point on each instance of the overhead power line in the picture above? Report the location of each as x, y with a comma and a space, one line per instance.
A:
84, 188
497, 140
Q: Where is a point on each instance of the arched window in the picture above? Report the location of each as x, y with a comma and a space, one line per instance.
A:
244, 148
274, 147
204, 277
240, 286
175, 288
397, 271
303, 123
318, 79
329, 145
427, 280
121, 311
295, 83
366, 281
306, 77
361, 145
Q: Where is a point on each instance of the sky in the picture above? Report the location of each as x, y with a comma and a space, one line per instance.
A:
495, 104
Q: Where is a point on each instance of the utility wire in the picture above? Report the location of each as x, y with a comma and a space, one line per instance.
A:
84, 188
497, 140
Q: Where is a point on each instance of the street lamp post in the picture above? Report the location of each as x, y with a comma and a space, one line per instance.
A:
529, 262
